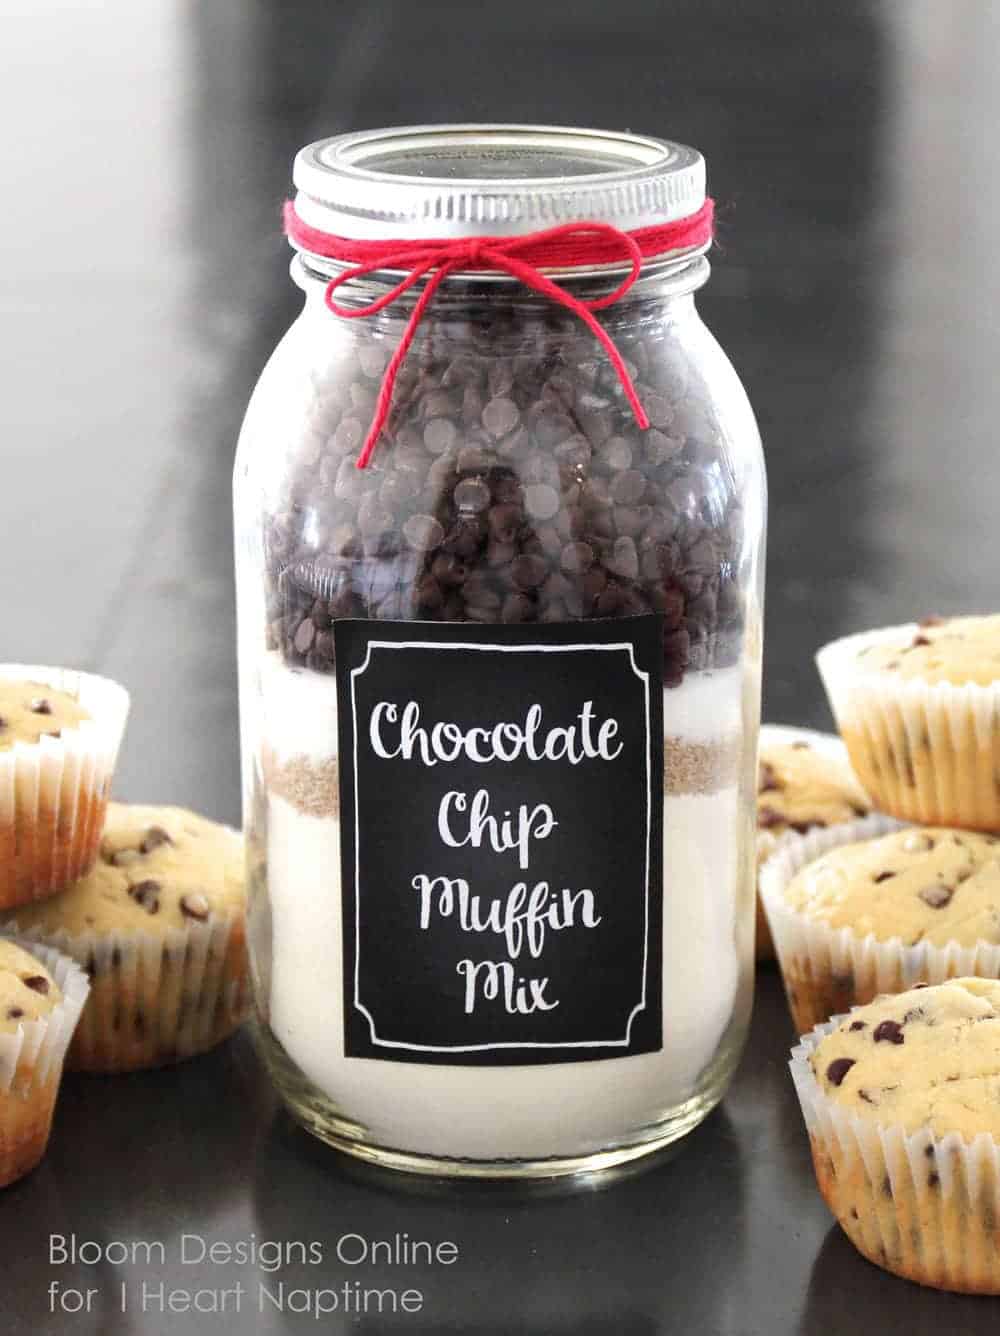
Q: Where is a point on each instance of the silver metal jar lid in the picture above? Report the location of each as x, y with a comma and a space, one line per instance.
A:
501, 180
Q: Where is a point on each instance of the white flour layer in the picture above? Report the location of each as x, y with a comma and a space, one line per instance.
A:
299, 709
510, 1112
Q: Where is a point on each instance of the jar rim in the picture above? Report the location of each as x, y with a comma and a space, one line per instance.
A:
492, 179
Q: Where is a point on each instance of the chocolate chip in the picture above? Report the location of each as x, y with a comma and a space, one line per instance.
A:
529, 571
15, 1013
658, 410
501, 416
154, 837
936, 896
882, 876
37, 983
768, 818
516, 608
857, 1025
541, 501
617, 453
41, 706
423, 533
123, 857
889, 1031
767, 778
918, 641
3, 722
517, 465
838, 1069
147, 894
623, 559
195, 905
473, 495
628, 487
304, 635
440, 435
576, 558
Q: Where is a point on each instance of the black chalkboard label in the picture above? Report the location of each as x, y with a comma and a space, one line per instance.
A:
501, 831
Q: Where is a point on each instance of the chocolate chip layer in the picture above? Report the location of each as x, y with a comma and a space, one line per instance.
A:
511, 485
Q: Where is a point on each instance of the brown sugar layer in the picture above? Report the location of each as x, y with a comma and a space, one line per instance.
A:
699, 767
313, 787
309, 785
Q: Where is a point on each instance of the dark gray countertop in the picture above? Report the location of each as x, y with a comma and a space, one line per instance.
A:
725, 1234
852, 154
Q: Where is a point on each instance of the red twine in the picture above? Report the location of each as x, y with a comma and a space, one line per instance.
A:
569, 246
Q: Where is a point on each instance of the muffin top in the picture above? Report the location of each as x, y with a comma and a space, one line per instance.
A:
158, 868
942, 649
800, 787
27, 990
926, 884
927, 1058
31, 710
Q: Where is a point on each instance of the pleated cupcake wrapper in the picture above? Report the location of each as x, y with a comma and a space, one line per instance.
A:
827, 969
154, 998
54, 792
926, 752
923, 1206
35, 1052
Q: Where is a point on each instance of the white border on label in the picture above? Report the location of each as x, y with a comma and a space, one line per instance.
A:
626, 648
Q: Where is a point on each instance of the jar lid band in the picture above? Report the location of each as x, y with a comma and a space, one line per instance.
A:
524, 257
414, 181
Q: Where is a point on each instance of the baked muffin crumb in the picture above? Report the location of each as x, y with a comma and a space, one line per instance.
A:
927, 1059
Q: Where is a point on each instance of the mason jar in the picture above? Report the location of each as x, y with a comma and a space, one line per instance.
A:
499, 570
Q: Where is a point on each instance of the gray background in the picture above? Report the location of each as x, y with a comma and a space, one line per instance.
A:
145, 153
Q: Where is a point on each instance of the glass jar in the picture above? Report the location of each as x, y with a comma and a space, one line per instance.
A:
500, 688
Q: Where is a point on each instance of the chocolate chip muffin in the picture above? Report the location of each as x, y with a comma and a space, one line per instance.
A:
159, 925
916, 706
804, 782
877, 915
41, 997
59, 738
902, 1102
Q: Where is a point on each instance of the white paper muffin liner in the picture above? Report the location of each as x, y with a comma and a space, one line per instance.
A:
156, 998
924, 1207
828, 745
54, 792
35, 1051
828, 970
926, 752
31, 1064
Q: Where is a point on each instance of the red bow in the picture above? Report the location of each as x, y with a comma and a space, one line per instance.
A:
570, 246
